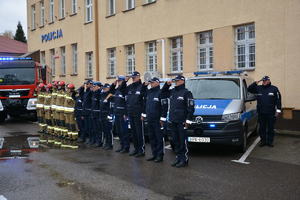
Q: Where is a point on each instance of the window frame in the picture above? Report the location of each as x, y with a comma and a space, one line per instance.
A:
132, 4
63, 60
33, 16
244, 43
179, 55
208, 49
88, 11
62, 9
42, 13
51, 11
89, 64
130, 58
111, 62
74, 58
110, 11
74, 5
151, 55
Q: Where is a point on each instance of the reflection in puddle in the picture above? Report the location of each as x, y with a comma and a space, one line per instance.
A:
16, 147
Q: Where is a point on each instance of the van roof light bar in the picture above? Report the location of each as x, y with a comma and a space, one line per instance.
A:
14, 58
222, 72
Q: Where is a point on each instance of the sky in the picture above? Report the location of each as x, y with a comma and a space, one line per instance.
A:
12, 11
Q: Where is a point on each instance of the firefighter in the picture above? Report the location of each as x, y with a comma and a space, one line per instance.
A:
40, 107
268, 108
63, 132
135, 104
181, 111
53, 108
47, 108
154, 107
96, 133
78, 110
106, 116
69, 105
86, 112
119, 111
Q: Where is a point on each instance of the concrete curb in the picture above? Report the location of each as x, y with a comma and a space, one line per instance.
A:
288, 133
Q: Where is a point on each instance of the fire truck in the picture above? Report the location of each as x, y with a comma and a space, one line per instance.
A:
19, 78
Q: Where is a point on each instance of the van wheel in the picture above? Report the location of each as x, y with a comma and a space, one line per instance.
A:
243, 147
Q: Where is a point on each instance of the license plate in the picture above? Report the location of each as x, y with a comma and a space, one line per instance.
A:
199, 139
14, 96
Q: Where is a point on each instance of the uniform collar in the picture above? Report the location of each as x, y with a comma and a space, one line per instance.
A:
180, 87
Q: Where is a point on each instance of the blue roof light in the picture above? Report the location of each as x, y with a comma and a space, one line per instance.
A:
14, 58
222, 72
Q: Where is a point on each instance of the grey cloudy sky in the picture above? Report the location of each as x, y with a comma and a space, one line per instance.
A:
12, 11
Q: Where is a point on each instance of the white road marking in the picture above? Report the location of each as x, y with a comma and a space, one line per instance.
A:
168, 147
2, 197
247, 153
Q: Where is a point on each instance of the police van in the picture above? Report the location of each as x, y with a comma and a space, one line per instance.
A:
225, 112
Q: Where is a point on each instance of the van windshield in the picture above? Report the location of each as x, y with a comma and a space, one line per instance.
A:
214, 88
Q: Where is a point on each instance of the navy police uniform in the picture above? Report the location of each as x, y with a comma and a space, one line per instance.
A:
86, 113
78, 110
181, 111
268, 103
119, 110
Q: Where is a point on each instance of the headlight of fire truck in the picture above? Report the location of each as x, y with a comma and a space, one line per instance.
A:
31, 105
33, 142
1, 106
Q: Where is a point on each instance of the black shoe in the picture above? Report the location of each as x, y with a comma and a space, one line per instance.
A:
97, 145
262, 144
125, 151
159, 159
151, 158
133, 153
175, 163
108, 148
139, 155
270, 145
182, 164
119, 150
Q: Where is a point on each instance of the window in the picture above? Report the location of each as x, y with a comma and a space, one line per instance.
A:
111, 62
130, 4
51, 11
42, 9
61, 9
33, 17
205, 51
151, 56
88, 10
149, 1
176, 54
111, 7
52, 61
130, 59
74, 6
74, 59
63, 60
245, 46
89, 65
43, 59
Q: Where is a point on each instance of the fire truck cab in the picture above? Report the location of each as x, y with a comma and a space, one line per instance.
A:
19, 78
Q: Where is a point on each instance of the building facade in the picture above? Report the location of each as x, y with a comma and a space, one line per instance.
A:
170, 37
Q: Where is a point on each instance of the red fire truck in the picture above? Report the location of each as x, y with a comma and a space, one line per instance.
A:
19, 78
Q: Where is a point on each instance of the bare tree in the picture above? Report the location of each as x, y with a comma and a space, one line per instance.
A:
8, 34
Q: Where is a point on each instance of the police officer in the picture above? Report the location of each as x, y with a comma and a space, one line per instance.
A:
86, 113
181, 111
106, 116
268, 108
135, 103
153, 111
78, 111
40, 107
96, 137
118, 88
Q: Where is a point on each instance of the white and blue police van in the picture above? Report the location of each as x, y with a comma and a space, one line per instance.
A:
225, 112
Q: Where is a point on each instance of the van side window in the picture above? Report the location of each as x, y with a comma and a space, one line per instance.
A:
248, 94
245, 92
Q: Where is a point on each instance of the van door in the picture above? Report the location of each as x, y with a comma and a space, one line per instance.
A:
250, 113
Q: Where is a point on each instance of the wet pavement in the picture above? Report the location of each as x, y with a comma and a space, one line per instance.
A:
93, 173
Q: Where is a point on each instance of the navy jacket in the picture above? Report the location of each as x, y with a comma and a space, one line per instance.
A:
87, 102
96, 103
181, 103
78, 102
154, 104
268, 98
105, 104
119, 104
135, 98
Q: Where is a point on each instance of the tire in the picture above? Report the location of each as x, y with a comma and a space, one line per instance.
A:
243, 147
